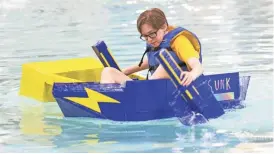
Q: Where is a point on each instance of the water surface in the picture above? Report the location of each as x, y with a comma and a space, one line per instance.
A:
235, 36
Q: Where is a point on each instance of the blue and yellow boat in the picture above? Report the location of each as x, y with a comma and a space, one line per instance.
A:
74, 85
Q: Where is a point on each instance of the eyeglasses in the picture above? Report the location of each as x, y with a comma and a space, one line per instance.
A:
151, 35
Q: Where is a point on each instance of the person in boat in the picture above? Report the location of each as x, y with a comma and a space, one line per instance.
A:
182, 44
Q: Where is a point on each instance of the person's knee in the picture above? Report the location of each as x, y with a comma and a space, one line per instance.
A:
108, 71
108, 75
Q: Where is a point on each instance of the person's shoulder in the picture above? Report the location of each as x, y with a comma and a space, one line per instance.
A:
174, 27
179, 40
170, 28
179, 37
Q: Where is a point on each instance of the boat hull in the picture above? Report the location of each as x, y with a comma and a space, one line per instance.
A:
140, 100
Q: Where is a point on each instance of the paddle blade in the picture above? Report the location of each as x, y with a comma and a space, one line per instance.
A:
183, 111
198, 95
203, 98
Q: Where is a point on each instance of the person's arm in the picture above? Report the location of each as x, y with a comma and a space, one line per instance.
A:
186, 52
196, 71
196, 67
136, 68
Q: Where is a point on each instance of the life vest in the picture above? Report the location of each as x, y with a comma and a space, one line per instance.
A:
166, 44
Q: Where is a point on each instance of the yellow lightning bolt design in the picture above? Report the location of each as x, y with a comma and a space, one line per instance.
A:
92, 100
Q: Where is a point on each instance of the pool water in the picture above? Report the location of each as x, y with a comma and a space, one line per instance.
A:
235, 36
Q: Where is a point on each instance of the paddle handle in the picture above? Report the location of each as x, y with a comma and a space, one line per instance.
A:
170, 65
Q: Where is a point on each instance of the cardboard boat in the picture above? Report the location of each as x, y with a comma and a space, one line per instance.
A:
74, 85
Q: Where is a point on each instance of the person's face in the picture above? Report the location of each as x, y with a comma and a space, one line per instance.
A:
152, 36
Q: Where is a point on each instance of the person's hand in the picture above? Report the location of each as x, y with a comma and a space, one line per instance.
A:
186, 78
